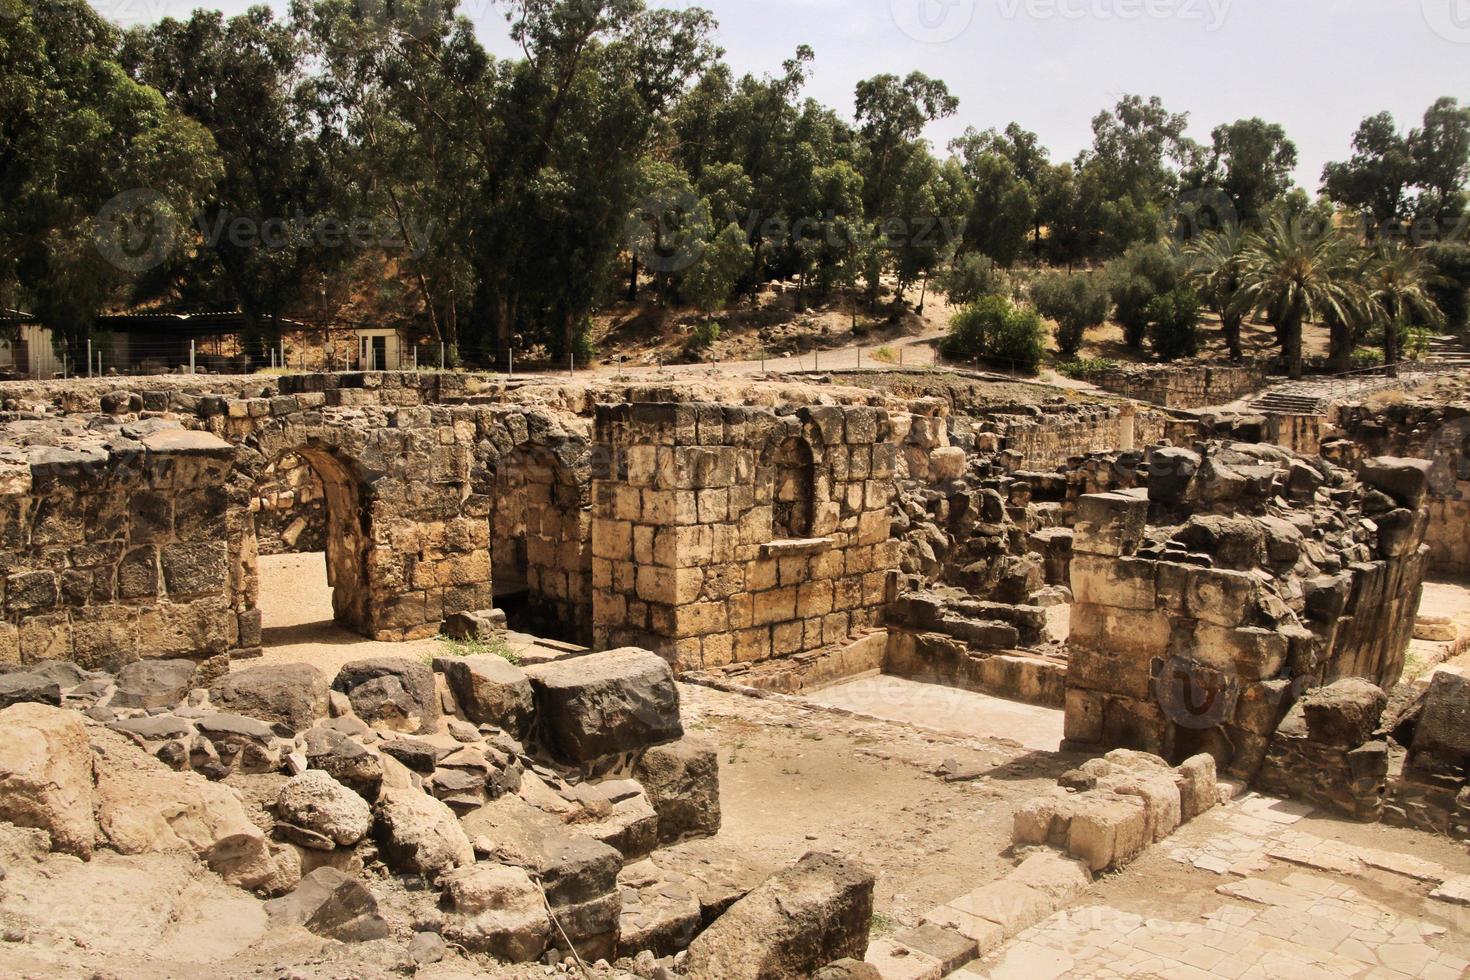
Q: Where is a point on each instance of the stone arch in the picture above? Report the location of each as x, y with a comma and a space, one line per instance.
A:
335, 463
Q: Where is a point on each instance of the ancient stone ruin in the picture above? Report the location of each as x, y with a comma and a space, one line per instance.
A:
544, 594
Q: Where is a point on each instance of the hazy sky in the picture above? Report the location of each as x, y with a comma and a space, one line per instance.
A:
1315, 66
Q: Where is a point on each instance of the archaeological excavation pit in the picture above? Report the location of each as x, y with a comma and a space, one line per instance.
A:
1005, 656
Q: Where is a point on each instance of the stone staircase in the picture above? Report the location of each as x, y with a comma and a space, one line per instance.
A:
1296, 398
1449, 351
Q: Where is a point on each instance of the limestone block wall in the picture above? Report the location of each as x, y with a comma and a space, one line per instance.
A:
1182, 386
535, 468
1170, 655
114, 550
725, 534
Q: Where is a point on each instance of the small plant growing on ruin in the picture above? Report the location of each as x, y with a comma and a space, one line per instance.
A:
885, 354
495, 646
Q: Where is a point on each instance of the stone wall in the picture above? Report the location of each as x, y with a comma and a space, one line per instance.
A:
113, 546
1439, 433
689, 555
1197, 634
408, 538
1181, 386
290, 508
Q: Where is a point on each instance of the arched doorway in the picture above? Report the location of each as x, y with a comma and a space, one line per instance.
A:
306, 507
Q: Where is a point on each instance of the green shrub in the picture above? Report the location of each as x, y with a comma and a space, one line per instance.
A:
995, 329
1076, 302
1083, 367
701, 340
1367, 357
972, 278
1173, 322
1135, 279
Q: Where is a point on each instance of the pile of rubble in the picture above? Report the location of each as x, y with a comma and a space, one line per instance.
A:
551, 810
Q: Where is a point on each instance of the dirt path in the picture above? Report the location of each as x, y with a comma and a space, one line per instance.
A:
796, 777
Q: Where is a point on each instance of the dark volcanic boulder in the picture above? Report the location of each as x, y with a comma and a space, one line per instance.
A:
293, 695
392, 692
792, 925
605, 703
490, 691
153, 684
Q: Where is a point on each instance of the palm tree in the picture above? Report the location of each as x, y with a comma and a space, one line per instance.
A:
1295, 275
1398, 283
1214, 265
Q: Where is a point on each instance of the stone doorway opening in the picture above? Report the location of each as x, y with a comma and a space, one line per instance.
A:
540, 566
310, 547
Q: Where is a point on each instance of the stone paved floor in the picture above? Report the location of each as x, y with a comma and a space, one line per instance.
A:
947, 709
1285, 903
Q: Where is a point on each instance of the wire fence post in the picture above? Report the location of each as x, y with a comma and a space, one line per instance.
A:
815, 355
89, 357
900, 355
510, 362
99, 364
571, 365
191, 356
860, 359
441, 355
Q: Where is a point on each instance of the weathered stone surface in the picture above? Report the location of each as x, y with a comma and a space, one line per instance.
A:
153, 683
294, 695
1107, 831
1405, 480
346, 760
597, 705
792, 925
418, 834
331, 904
20, 688
483, 624
497, 909
1198, 786
490, 691
392, 692
682, 780
1444, 724
46, 775
1344, 713
848, 969
145, 807
317, 802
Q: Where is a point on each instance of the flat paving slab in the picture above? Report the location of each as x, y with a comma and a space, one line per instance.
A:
947, 709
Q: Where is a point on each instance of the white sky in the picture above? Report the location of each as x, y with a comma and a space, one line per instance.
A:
1315, 66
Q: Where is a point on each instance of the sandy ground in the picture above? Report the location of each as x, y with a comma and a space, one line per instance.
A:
934, 707
797, 777
297, 625
296, 620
